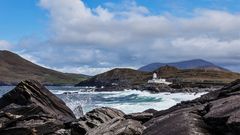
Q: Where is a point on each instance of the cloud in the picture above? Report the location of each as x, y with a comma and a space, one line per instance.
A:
4, 45
127, 34
86, 70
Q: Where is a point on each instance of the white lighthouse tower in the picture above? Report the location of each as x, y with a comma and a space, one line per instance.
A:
156, 80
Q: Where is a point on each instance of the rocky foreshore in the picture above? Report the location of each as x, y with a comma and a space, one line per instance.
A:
30, 109
157, 88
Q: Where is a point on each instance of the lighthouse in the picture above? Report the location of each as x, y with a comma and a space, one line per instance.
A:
156, 80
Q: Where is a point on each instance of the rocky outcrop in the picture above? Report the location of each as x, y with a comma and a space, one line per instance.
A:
31, 98
119, 126
94, 119
121, 77
31, 109
214, 113
141, 117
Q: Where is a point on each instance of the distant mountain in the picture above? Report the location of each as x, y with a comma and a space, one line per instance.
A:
190, 64
14, 69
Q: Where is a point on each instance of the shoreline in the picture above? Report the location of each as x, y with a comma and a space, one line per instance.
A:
30, 108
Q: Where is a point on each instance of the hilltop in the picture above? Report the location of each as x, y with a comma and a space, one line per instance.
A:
14, 68
120, 79
197, 75
117, 76
189, 64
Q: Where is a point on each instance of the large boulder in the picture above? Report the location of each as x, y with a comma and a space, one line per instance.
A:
118, 126
106, 121
95, 118
35, 124
142, 117
31, 109
31, 98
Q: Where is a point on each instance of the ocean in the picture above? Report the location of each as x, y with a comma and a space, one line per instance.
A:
129, 101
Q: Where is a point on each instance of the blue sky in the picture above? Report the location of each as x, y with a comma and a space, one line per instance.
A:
97, 35
25, 18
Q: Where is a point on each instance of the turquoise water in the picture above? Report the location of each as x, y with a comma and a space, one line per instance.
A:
129, 101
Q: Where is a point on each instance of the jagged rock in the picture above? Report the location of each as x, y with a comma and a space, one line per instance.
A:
95, 118
224, 115
142, 117
217, 112
78, 111
36, 124
118, 126
181, 122
150, 111
31, 98
30, 109
62, 132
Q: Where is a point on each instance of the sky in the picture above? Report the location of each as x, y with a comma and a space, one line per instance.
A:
93, 36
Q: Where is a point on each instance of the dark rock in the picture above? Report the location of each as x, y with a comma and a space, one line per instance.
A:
95, 118
156, 88
118, 126
31, 98
181, 122
36, 124
142, 117
30, 109
150, 111
217, 112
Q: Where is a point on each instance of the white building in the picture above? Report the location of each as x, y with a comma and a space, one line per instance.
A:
157, 80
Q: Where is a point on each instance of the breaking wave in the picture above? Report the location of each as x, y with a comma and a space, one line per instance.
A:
129, 101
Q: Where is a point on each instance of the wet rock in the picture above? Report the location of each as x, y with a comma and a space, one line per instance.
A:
62, 132
78, 111
118, 126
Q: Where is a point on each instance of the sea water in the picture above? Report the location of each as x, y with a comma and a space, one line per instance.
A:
129, 101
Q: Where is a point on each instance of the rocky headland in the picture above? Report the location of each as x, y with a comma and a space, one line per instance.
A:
30, 109
14, 69
184, 80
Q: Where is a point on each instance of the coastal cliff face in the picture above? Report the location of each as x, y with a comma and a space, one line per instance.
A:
30, 109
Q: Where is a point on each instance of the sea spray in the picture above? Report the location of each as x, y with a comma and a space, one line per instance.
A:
129, 101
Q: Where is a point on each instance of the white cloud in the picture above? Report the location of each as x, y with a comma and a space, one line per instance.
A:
4, 45
129, 35
87, 70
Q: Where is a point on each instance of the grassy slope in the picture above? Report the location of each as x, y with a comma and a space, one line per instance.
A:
197, 74
14, 69
135, 77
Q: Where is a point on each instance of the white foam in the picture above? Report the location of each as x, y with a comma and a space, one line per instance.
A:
129, 101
